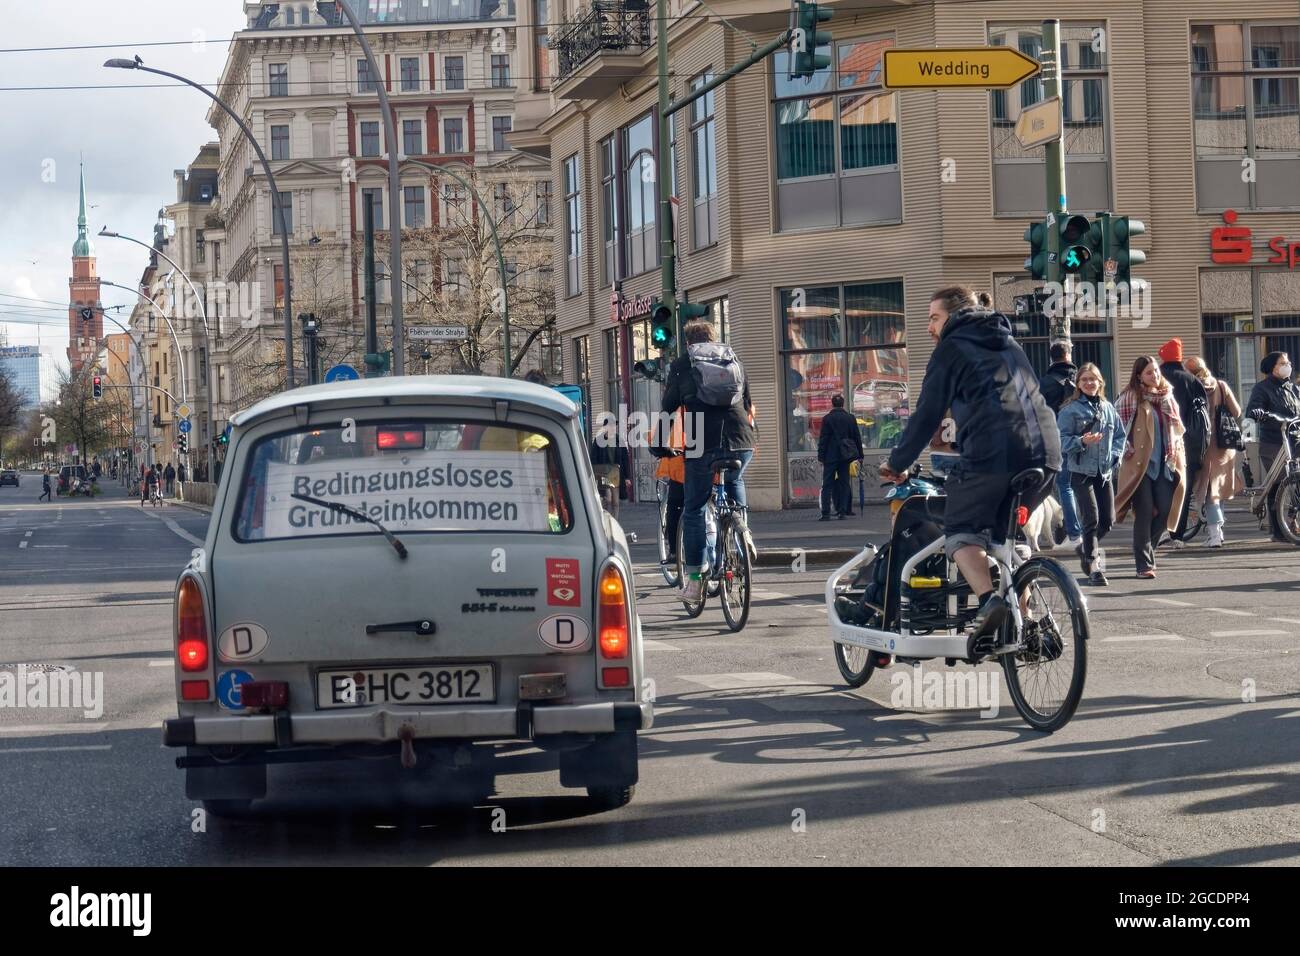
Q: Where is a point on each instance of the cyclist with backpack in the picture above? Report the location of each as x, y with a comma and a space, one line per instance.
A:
1193, 409
709, 385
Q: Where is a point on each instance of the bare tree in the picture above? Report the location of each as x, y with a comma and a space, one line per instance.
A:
80, 416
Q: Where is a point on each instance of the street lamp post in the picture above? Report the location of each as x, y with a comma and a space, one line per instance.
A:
394, 190
144, 367
276, 206
207, 337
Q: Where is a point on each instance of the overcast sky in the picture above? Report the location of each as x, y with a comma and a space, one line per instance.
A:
132, 138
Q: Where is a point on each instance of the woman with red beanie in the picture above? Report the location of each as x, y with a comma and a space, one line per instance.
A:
1186, 390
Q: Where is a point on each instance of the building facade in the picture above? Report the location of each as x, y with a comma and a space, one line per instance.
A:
301, 82
33, 372
817, 217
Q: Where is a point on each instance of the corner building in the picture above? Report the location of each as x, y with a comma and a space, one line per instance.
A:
817, 217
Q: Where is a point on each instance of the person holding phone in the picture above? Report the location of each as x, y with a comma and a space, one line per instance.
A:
1092, 444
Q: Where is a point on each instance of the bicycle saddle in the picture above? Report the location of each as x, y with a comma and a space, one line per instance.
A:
1028, 480
726, 464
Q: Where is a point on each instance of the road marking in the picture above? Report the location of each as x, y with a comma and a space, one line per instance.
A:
51, 546
1142, 637
45, 750
1263, 633
1171, 602
28, 534
651, 644
1285, 620
22, 544
777, 595
1225, 610
167, 662
176, 529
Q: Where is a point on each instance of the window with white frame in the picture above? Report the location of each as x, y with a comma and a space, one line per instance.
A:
609, 213
279, 142
544, 203
500, 127
453, 71
500, 70
370, 137
286, 207
278, 78
573, 226
638, 192
413, 207
374, 197
453, 135
365, 82
410, 72
413, 137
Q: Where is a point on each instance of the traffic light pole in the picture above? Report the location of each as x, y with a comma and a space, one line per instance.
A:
1057, 203
667, 107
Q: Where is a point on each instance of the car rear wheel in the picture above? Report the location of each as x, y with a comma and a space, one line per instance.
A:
610, 798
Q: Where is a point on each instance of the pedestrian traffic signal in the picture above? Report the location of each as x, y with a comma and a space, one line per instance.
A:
97, 387
648, 368
1119, 230
663, 327
805, 40
1076, 252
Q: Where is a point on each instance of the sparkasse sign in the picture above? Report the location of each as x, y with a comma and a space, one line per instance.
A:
1231, 244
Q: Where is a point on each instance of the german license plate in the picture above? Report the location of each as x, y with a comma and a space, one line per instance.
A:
409, 686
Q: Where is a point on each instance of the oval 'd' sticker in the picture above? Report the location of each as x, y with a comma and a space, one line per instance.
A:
564, 632
242, 642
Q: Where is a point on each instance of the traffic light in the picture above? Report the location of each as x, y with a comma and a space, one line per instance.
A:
1076, 251
806, 38
663, 327
378, 363
97, 387
649, 368
1036, 261
183, 443
1119, 230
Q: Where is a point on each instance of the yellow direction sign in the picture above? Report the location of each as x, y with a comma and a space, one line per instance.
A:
1040, 123
986, 67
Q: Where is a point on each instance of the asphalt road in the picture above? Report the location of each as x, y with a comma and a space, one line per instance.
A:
759, 755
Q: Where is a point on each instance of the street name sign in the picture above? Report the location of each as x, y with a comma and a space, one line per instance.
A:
1040, 123
438, 333
981, 67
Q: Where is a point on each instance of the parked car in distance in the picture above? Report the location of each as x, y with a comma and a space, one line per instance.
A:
409, 575
9, 477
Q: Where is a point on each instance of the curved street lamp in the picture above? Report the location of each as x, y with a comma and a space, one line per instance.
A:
207, 337
180, 361
277, 209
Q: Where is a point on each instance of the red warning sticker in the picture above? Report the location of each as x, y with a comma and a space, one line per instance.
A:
562, 585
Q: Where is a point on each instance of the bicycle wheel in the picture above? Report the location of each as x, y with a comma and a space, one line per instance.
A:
1046, 678
856, 664
737, 575
669, 570
692, 609
1286, 514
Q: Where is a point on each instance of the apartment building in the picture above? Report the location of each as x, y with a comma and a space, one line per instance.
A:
300, 81
816, 217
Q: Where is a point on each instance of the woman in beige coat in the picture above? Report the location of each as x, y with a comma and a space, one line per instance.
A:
1218, 480
1153, 473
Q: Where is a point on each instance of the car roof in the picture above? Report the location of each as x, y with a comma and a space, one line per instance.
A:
413, 386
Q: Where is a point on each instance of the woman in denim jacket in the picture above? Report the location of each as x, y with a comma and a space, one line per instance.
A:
1092, 442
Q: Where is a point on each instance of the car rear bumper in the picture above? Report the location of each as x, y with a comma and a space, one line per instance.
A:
382, 725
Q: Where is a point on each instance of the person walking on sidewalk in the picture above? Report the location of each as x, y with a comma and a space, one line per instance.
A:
1058, 387
1153, 474
46, 492
169, 476
1092, 444
1189, 394
838, 446
1219, 480
180, 481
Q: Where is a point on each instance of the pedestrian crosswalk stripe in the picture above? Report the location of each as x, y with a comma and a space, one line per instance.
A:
1142, 637
1171, 602
1228, 610
41, 750
1260, 633
164, 662
650, 645
739, 681
1285, 620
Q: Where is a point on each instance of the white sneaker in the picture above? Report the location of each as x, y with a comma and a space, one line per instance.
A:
749, 545
1100, 563
1216, 535
1075, 544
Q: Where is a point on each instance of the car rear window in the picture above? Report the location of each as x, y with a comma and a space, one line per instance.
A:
411, 475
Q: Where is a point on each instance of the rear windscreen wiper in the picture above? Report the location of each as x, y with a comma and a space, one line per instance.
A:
359, 515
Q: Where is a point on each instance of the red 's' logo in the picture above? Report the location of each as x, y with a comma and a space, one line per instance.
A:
1230, 245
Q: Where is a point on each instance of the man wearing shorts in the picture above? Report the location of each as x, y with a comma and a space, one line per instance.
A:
980, 373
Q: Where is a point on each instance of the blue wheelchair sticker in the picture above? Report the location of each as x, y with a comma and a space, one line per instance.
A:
228, 689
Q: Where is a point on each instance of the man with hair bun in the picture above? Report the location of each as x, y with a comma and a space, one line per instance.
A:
1003, 427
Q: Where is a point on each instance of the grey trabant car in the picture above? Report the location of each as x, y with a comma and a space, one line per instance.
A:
414, 569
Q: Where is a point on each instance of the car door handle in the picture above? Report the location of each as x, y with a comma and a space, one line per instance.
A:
423, 628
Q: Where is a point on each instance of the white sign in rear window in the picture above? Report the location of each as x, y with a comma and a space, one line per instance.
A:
421, 491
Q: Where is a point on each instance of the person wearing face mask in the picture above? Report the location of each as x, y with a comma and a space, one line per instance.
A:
1153, 473
1273, 401
1092, 443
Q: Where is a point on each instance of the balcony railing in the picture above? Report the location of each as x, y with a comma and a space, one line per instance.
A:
621, 25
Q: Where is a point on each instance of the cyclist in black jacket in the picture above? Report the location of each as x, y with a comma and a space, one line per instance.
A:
1003, 427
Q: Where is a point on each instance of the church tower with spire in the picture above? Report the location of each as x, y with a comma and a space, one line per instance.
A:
85, 312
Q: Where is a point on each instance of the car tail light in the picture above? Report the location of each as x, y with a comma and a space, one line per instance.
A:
272, 694
191, 627
616, 676
612, 623
389, 439
194, 690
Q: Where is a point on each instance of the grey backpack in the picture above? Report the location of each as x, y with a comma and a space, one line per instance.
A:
719, 376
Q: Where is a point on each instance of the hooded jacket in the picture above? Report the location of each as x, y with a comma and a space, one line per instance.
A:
1057, 384
1187, 387
982, 374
